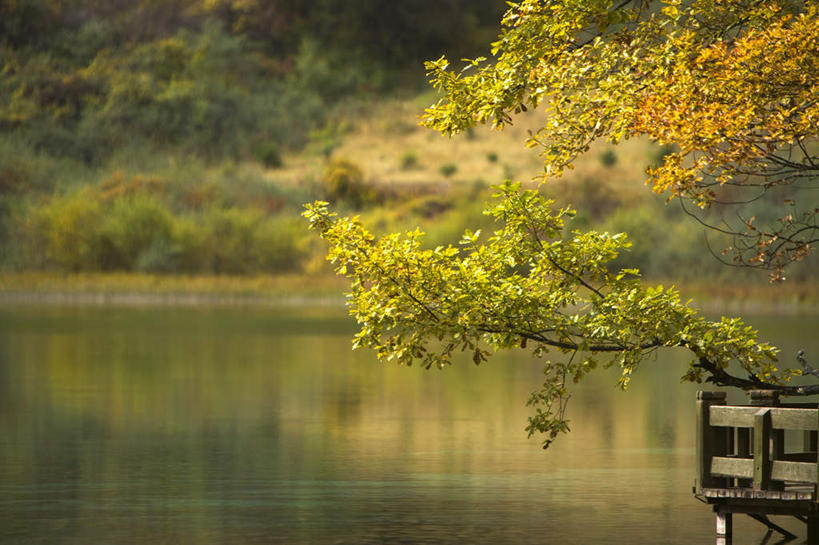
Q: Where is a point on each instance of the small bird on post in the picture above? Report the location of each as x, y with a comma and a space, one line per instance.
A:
806, 369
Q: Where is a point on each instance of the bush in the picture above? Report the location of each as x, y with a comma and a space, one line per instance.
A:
283, 244
268, 154
71, 231
448, 169
229, 241
136, 229
608, 158
344, 182
409, 160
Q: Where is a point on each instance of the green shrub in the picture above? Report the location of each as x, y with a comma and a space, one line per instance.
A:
268, 154
344, 182
492, 157
409, 160
283, 244
608, 158
229, 241
430, 206
325, 140
136, 228
69, 227
448, 169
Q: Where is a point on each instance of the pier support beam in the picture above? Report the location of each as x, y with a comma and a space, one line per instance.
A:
813, 530
725, 525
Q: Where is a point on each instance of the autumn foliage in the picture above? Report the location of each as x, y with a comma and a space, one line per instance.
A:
730, 85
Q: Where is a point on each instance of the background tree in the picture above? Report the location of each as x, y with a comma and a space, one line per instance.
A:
727, 84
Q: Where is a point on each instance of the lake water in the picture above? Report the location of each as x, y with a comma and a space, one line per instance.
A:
260, 425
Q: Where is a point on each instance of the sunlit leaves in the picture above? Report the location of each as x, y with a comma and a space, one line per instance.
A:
731, 85
532, 284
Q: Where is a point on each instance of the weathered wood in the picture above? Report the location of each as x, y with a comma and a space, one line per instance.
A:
771, 526
711, 441
782, 418
725, 525
742, 449
732, 467
809, 443
816, 486
797, 472
763, 398
800, 472
777, 453
782, 497
762, 449
742, 466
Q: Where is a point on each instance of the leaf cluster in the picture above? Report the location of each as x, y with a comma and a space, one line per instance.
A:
532, 284
730, 86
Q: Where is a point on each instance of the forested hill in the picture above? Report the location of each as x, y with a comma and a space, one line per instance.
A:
83, 77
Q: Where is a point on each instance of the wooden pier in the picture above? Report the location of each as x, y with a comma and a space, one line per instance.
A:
743, 465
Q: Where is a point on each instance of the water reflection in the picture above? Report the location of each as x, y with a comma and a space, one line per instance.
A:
261, 426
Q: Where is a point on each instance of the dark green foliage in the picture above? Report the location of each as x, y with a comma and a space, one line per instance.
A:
608, 158
448, 169
409, 160
268, 154
152, 224
344, 183
82, 79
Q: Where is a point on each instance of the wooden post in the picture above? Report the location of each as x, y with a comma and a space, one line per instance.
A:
725, 526
809, 441
742, 449
770, 398
813, 519
762, 449
710, 441
816, 487
813, 530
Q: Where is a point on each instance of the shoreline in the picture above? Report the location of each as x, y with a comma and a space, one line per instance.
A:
325, 290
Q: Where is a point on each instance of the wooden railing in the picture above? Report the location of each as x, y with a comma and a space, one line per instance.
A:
741, 449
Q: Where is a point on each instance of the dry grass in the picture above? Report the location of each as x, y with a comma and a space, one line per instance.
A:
390, 129
45, 287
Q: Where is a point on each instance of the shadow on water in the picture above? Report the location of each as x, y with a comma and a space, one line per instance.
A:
262, 426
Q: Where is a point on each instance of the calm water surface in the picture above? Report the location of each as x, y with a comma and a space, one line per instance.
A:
231, 426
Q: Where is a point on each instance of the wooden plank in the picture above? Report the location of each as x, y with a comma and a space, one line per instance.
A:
797, 472
782, 418
732, 467
802, 472
762, 448
786, 535
710, 440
